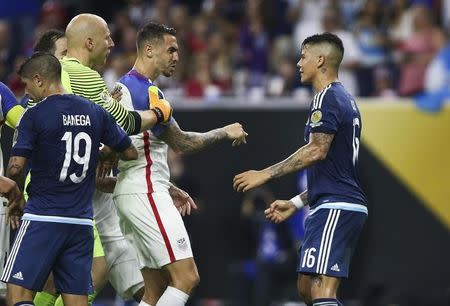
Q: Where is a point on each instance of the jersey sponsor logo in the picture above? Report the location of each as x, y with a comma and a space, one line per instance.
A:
18, 275
335, 268
76, 120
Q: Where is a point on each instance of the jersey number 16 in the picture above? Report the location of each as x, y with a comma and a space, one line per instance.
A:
356, 126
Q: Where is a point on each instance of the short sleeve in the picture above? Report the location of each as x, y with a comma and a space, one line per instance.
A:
113, 135
325, 118
26, 135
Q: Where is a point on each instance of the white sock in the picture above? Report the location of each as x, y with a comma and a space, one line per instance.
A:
173, 297
142, 303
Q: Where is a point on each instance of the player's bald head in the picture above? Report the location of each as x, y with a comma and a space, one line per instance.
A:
82, 27
327, 45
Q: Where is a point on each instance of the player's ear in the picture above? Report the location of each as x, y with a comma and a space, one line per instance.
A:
320, 61
37, 80
89, 44
149, 50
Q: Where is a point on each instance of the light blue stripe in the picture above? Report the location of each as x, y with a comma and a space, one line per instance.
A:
342, 206
57, 219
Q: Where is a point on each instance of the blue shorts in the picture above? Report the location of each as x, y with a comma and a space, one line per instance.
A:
330, 240
41, 247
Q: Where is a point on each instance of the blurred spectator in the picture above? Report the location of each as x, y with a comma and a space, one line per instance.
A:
437, 76
197, 38
139, 11
254, 44
418, 50
331, 22
399, 20
306, 16
286, 79
372, 41
383, 83
200, 84
121, 22
437, 82
6, 53
220, 61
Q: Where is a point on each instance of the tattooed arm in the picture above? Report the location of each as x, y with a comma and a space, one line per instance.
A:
15, 170
315, 151
189, 142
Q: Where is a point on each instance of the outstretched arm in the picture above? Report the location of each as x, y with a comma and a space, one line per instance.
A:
189, 142
315, 151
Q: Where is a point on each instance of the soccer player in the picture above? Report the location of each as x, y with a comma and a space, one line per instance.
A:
57, 225
55, 42
88, 44
52, 41
337, 203
148, 217
10, 113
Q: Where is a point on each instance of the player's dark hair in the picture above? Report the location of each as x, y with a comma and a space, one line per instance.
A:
329, 38
46, 43
153, 31
42, 63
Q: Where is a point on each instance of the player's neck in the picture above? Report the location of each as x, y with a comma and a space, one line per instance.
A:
81, 56
145, 69
54, 89
323, 80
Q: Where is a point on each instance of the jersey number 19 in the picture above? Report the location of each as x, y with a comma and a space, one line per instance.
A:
73, 152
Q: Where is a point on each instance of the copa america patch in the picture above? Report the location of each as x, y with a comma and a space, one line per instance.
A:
315, 118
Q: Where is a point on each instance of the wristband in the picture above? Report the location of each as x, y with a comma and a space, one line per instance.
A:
159, 114
297, 201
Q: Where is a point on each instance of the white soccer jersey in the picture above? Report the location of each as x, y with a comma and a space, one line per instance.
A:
150, 172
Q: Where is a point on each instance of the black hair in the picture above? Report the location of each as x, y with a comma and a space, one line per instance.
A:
46, 43
153, 31
328, 38
42, 63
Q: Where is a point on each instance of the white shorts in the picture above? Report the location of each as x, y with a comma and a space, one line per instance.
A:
152, 224
124, 273
4, 242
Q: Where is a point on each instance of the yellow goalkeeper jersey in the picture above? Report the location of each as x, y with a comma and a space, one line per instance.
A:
86, 82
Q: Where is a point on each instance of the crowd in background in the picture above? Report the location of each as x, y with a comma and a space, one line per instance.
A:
249, 48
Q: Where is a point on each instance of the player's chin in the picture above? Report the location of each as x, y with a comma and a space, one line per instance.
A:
169, 72
304, 79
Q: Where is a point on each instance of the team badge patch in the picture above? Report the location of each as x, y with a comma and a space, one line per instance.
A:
182, 245
316, 116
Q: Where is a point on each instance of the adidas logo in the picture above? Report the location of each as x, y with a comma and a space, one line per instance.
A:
335, 268
18, 275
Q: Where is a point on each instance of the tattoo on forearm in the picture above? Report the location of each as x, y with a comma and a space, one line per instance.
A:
15, 172
304, 157
189, 142
290, 164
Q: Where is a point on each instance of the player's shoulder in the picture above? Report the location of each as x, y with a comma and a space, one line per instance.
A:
5, 91
134, 81
73, 66
334, 95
